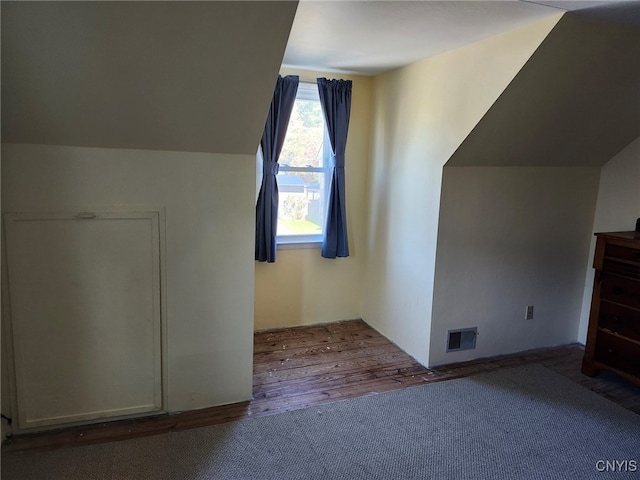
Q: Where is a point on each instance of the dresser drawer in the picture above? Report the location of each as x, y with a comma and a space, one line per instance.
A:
620, 290
626, 269
621, 320
618, 353
623, 253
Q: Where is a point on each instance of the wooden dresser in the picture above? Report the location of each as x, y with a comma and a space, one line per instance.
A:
613, 339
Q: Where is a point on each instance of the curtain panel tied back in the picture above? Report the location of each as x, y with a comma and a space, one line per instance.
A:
275, 130
335, 99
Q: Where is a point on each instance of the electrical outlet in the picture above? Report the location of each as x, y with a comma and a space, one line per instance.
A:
529, 313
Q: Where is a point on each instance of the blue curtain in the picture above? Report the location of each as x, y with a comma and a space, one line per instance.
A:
335, 99
275, 130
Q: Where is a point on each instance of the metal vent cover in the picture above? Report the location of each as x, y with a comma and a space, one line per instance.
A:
461, 339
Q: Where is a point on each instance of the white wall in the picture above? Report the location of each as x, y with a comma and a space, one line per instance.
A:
509, 237
209, 247
421, 114
301, 287
617, 210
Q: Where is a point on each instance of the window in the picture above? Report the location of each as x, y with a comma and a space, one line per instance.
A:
302, 175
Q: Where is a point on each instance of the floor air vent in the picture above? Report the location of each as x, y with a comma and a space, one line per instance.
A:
461, 339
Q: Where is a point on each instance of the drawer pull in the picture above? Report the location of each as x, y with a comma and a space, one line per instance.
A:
618, 290
86, 216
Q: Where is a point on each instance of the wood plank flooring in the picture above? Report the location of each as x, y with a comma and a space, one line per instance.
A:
306, 366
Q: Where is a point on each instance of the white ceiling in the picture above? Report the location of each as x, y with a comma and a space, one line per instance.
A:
371, 36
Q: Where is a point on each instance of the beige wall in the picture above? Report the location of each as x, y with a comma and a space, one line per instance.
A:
617, 210
301, 287
509, 237
209, 247
421, 113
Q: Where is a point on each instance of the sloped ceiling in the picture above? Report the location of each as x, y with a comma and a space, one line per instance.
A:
183, 76
575, 103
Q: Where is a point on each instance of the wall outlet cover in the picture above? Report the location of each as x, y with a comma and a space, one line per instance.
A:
529, 315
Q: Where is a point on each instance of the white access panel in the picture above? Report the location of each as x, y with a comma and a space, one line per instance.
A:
84, 292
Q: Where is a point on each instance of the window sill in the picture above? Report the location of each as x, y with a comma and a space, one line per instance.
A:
299, 242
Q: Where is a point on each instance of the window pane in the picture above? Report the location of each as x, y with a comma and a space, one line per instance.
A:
302, 194
305, 134
301, 203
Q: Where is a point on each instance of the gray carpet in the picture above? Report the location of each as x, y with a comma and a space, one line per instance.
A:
520, 423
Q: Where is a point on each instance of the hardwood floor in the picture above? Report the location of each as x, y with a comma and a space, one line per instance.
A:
306, 366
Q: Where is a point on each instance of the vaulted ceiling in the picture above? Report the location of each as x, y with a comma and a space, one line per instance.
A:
198, 76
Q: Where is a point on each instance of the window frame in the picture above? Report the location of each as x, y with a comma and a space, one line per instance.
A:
306, 91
